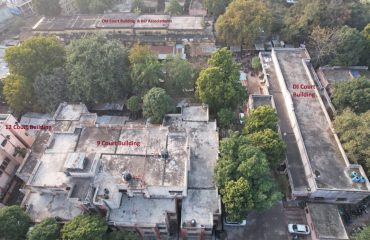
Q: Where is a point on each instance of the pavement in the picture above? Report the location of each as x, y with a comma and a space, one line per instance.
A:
265, 225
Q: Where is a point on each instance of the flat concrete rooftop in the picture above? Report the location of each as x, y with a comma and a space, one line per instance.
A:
326, 160
327, 220
200, 206
139, 209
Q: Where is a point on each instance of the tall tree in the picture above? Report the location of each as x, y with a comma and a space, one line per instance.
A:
243, 22
14, 223
36, 55
237, 199
216, 7
174, 8
261, 118
83, 227
179, 75
156, 104
350, 48
134, 105
270, 143
48, 229
146, 71
19, 94
47, 7
51, 89
96, 67
354, 132
226, 118
354, 94
218, 85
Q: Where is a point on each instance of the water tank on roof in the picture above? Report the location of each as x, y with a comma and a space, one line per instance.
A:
126, 176
193, 222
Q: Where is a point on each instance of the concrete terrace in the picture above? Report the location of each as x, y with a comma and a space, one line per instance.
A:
325, 157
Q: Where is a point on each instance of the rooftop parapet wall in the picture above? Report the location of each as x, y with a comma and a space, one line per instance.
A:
297, 132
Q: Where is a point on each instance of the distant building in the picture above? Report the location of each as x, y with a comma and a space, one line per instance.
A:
192, 34
328, 76
138, 176
20, 7
15, 143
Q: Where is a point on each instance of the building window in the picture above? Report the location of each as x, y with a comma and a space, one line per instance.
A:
4, 142
318, 198
5, 164
1, 173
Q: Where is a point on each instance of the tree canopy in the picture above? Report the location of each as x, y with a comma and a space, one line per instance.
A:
145, 69
121, 235
51, 89
174, 8
270, 143
354, 94
239, 159
363, 235
14, 223
96, 67
243, 22
156, 104
84, 227
47, 7
94, 6
218, 85
225, 118
216, 7
261, 118
179, 75
48, 229
354, 132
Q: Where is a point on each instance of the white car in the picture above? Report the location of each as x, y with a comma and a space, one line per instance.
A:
298, 229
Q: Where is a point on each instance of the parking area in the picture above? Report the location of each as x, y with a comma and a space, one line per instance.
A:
265, 225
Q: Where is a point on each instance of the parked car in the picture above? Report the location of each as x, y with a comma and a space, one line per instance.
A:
298, 229
241, 223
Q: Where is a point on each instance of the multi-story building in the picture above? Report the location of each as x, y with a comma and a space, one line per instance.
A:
317, 165
15, 142
20, 7
152, 179
192, 32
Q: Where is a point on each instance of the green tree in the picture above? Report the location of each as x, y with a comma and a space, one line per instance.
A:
179, 75
363, 235
226, 118
46, 230
243, 22
174, 8
84, 227
350, 48
146, 71
14, 223
94, 6
237, 199
121, 235
216, 7
256, 63
47, 7
354, 94
137, 6
305, 15
354, 131
18, 93
156, 104
51, 89
270, 143
365, 59
134, 105
261, 118
219, 85
36, 55
96, 67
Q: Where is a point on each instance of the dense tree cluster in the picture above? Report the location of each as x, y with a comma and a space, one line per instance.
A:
353, 94
14, 223
363, 235
218, 85
243, 171
48, 229
92, 70
354, 133
174, 8
156, 103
